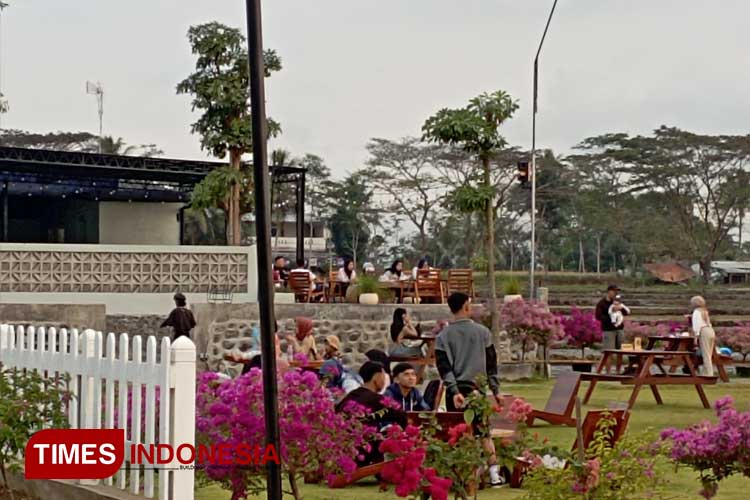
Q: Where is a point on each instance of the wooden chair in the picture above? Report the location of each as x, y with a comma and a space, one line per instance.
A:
591, 421
304, 288
561, 402
433, 394
334, 289
588, 428
461, 280
429, 287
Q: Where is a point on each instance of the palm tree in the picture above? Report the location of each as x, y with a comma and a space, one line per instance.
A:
112, 146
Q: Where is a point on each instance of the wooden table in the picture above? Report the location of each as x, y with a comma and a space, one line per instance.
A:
644, 361
690, 343
674, 342
400, 288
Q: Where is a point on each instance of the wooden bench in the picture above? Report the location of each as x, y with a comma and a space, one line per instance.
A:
561, 402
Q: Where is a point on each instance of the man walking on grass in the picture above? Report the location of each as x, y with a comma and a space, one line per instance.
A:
463, 352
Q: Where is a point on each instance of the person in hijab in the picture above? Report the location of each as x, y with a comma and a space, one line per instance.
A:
303, 340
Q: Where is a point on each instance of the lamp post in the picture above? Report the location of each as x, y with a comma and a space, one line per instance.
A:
532, 270
263, 242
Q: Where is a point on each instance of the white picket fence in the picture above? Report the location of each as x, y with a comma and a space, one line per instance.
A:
99, 375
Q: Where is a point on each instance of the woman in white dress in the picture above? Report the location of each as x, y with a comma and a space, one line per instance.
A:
701, 323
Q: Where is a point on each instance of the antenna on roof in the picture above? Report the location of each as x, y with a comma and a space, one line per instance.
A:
98, 91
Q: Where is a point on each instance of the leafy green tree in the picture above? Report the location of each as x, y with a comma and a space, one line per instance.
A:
55, 141
704, 180
353, 217
405, 170
475, 128
112, 146
221, 92
316, 176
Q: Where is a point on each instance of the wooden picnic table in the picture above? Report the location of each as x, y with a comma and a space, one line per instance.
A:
644, 361
690, 343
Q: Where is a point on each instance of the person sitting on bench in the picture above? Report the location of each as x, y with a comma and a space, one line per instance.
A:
381, 414
404, 391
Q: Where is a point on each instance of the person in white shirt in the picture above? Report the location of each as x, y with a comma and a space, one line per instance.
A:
347, 274
616, 314
301, 269
701, 323
422, 264
395, 272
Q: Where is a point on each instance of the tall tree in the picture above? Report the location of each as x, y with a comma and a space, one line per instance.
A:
55, 141
475, 128
405, 170
317, 175
704, 179
353, 218
112, 146
221, 91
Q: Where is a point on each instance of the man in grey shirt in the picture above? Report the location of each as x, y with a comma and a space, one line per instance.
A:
464, 351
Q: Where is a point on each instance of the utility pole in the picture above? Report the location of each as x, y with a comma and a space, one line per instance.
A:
263, 242
532, 269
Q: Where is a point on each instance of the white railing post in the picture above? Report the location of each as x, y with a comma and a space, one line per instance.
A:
182, 354
86, 411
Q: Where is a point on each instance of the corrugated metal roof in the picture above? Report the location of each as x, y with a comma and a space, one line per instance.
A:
671, 272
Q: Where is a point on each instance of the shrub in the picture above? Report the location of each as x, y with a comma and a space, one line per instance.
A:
737, 338
528, 322
367, 284
29, 402
716, 451
511, 286
582, 329
315, 440
625, 471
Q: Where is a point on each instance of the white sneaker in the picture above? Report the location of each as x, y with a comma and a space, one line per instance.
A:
496, 480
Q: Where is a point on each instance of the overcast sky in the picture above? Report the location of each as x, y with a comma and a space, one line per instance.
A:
377, 68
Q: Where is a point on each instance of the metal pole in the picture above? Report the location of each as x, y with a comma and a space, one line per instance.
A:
301, 217
100, 98
4, 205
532, 270
263, 239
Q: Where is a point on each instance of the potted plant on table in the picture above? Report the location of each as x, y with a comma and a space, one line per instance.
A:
368, 288
582, 330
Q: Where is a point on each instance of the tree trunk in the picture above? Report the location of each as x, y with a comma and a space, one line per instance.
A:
293, 485
512, 257
705, 264
598, 254
489, 221
740, 216
581, 263
233, 214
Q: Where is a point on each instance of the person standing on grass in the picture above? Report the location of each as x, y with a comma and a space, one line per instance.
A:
605, 310
701, 324
463, 352
181, 318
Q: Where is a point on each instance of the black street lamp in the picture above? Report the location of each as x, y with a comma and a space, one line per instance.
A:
532, 173
263, 242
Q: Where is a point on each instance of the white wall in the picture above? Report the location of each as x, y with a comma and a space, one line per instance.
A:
129, 303
138, 223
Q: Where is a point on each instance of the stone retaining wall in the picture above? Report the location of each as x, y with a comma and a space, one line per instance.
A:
226, 327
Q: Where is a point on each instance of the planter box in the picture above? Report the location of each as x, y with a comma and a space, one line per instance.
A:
283, 298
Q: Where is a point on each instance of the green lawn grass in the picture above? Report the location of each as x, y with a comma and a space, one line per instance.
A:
681, 408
